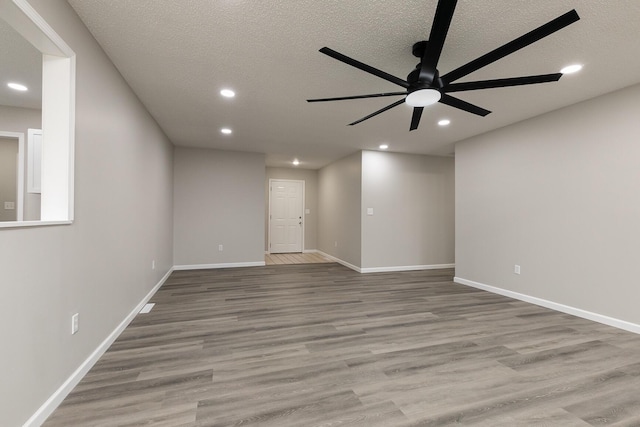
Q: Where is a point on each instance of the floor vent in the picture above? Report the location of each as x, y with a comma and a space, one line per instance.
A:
147, 308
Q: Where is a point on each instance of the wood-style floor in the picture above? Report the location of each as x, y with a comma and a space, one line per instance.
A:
321, 345
295, 258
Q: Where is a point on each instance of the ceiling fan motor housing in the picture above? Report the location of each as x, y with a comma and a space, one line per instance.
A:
419, 48
414, 76
415, 84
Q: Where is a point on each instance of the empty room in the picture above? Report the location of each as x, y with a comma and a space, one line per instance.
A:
319, 213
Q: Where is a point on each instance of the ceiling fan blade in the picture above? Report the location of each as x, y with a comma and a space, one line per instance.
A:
514, 81
463, 105
514, 45
382, 110
439, 30
374, 95
364, 67
415, 119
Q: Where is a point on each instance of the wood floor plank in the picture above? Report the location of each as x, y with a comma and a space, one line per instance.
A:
317, 344
296, 258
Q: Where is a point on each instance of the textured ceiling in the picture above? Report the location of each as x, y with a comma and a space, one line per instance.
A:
20, 63
178, 54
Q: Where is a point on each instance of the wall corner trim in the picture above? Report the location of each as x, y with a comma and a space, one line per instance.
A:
339, 261
600, 318
405, 268
222, 265
50, 405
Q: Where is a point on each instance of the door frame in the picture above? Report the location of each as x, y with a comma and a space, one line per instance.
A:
20, 172
304, 222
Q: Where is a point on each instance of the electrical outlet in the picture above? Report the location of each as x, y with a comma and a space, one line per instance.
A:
220, 248
153, 264
516, 269
74, 323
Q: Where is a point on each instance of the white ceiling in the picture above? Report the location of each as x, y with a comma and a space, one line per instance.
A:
20, 63
177, 55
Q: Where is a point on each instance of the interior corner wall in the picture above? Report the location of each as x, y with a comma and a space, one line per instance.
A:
99, 266
557, 195
339, 202
15, 119
413, 221
310, 178
219, 200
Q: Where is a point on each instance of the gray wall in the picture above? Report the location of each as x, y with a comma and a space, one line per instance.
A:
310, 178
8, 177
13, 119
219, 200
557, 195
340, 195
413, 220
99, 267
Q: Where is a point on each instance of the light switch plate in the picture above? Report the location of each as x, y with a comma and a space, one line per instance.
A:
307, 211
369, 211
74, 323
9, 205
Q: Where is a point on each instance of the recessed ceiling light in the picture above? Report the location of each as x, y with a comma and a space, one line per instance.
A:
226, 131
570, 69
296, 162
444, 122
384, 146
227, 93
17, 86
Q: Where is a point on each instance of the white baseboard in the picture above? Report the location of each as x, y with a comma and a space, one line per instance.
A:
223, 265
339, 261
47, 408
600, 318
405, 268
385, 269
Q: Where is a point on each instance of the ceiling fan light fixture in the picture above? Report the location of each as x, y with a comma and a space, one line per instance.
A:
423, 97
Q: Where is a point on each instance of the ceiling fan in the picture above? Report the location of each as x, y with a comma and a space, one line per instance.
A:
425, 86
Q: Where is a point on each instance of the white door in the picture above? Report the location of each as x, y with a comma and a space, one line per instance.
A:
285, 216
34, 160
